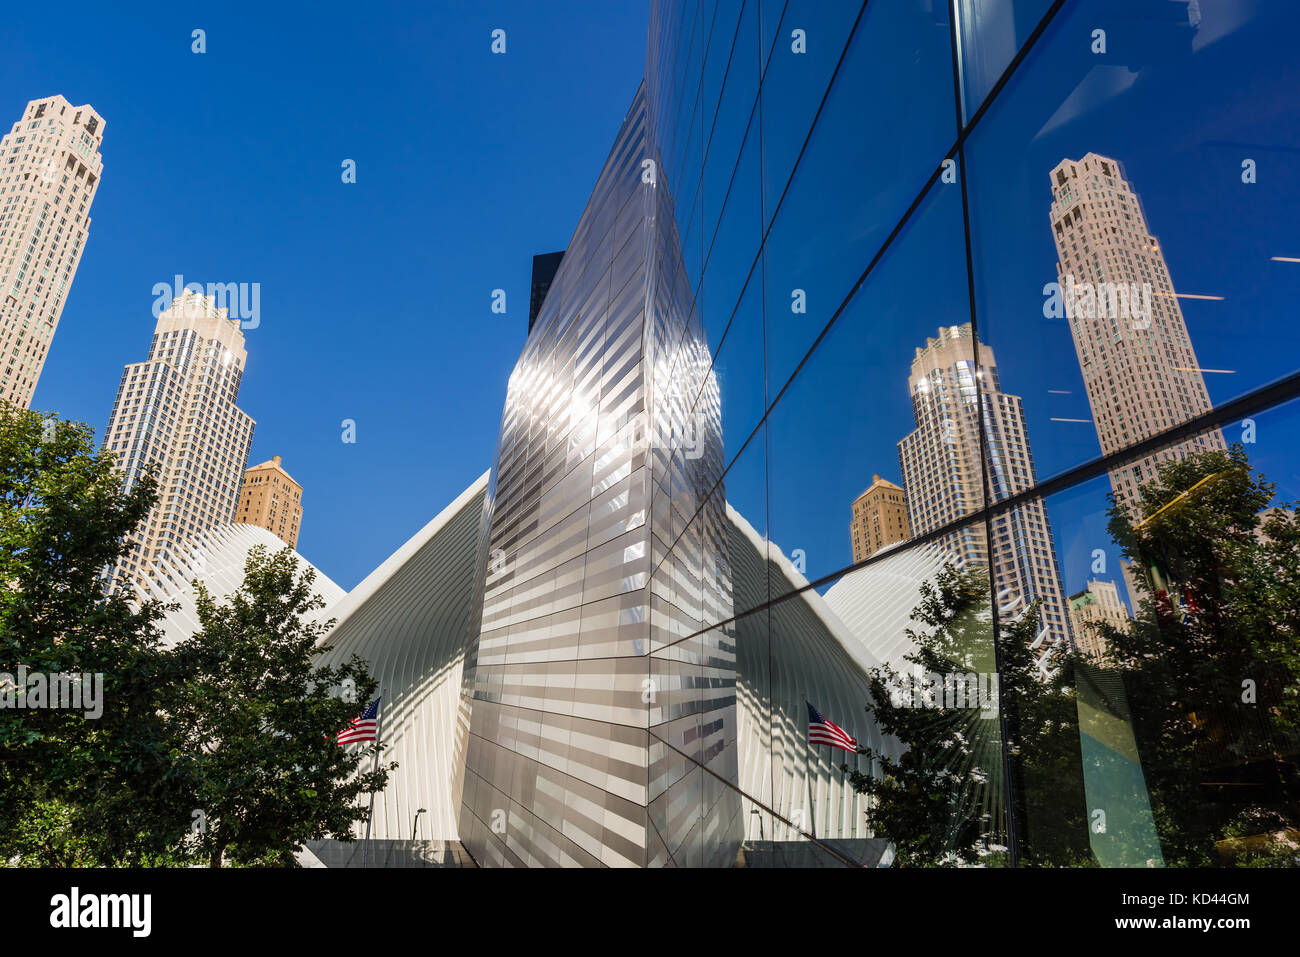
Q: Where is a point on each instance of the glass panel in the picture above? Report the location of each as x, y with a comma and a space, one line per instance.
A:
990, 33
804, 53
867, 161
1181, 600
877, 439
1131, 226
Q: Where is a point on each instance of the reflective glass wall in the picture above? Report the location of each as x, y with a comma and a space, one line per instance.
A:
994, 297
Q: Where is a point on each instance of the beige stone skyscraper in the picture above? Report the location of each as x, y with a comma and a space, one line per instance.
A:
1138, 365
271, 499
176, 411
49, 170
942, 475
1099, 602
879, 518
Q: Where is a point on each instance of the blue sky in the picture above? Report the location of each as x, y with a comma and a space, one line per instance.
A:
375, 297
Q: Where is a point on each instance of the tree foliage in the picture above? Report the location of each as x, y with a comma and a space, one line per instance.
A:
257, 717
236, 723
1212, 664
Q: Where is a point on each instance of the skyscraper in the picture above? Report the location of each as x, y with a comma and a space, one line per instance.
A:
879, 518
545, 266
942, 469
176, 411
49, 170
1137, 360
1099, 602
271, 499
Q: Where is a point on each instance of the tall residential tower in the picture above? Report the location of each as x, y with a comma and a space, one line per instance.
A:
49, 170
176, 411
1137, 361
942, 471
1098, 603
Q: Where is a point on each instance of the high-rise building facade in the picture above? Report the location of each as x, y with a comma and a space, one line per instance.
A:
879, 518
1139, 368
50, 168
271, 499
968, 432
1099, 602
176, 412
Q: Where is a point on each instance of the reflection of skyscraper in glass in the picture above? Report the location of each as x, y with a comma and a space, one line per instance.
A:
941, 462
1099, 602
602, 705
1136, 358
879, 518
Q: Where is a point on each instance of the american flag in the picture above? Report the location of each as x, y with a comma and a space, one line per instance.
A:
821, 731
364, 728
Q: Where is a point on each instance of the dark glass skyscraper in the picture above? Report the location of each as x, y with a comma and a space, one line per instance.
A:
545, 266
802, 193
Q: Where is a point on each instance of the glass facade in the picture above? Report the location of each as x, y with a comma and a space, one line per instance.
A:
1029, 263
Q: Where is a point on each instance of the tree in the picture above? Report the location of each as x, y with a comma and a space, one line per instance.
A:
236, 723
1211, 661
63, 518
257, 715
941, 800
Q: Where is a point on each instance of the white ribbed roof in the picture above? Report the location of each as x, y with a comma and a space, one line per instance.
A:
876, 602
217, 559
410, 621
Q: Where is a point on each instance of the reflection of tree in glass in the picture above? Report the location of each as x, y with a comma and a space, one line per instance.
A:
1211, 661
941, 801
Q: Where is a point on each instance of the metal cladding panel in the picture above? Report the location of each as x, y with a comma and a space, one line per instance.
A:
584, 713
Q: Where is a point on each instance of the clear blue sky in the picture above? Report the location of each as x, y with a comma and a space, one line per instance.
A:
375, 297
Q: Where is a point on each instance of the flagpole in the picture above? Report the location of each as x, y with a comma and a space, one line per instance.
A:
812, 823
852, 803
830, 776
379, 736
812, 753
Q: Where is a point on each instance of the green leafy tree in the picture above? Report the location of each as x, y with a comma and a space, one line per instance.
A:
1212, 660
63, 516
236, 723
257, 715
